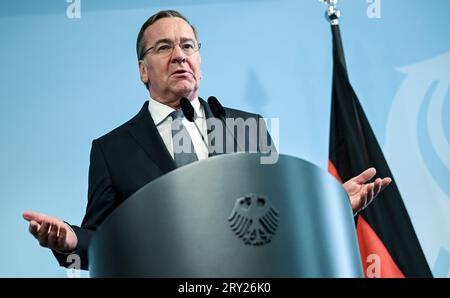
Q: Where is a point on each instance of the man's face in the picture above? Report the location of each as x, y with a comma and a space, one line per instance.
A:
175, 75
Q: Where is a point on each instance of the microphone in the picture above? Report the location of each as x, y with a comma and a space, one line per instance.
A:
188, 109
219, 112
189, 114
216, 108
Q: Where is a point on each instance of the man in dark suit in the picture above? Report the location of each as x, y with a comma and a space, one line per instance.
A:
142, 149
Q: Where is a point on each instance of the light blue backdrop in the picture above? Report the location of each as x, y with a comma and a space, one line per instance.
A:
64, 82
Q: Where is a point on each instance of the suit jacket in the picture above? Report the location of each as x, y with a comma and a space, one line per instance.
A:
123, 161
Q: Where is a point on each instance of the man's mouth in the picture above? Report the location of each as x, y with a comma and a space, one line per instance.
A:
181, 72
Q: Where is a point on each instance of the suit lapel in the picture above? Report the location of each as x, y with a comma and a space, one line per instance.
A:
143, 129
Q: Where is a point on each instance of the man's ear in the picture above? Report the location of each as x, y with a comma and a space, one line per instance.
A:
200, 63
143, 72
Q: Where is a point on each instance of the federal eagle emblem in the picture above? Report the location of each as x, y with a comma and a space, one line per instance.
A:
254, 219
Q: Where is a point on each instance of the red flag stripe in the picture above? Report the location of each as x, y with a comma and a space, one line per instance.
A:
332, 170
376, 260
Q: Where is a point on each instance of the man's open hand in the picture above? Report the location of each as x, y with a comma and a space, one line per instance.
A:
51, 232
361, 194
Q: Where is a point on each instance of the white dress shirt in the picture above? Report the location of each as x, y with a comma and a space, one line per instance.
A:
161, 116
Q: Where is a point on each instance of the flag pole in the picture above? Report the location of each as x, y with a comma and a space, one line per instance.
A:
332, 14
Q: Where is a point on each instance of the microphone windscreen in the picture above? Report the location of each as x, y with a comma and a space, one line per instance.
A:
188, 109
216, 108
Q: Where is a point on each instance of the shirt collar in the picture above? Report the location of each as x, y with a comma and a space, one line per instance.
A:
160, 112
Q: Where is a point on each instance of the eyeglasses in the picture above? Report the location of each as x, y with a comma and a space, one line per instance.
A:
165, 48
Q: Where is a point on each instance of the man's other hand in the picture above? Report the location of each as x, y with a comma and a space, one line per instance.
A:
51, 232
361, 194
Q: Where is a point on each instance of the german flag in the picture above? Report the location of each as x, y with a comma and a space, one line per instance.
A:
388, 243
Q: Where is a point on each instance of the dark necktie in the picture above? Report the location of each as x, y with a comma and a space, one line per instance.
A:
183, 148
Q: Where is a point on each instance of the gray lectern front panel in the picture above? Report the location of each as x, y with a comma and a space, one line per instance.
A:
231, 216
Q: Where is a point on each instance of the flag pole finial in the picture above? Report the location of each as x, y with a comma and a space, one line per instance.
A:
332, 14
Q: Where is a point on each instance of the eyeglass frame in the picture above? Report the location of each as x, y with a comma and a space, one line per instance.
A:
199, 45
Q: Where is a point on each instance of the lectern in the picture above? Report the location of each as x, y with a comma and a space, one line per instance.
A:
231, 216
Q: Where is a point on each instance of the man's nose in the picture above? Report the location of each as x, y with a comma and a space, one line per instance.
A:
178, 55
